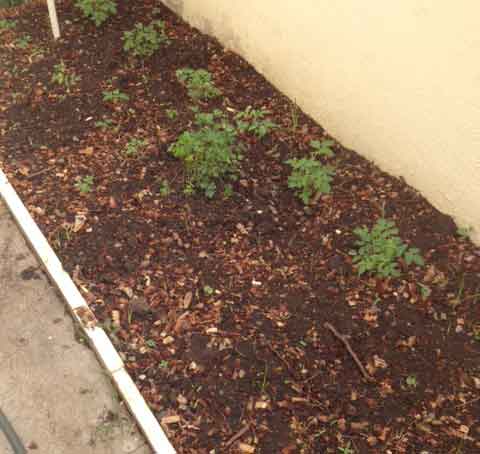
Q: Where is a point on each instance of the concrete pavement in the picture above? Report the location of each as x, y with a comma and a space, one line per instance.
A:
52, 387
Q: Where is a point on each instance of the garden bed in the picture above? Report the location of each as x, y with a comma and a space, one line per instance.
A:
222, 306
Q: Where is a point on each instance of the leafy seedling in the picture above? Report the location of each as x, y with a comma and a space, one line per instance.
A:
309, 176
98, 11
379, 249
171, 114
253, 121
115, 96
199, 83
61, 76
85, 184
164, 188
134, 146
411, 381
210, 153
23, 42
6, 24
144, 40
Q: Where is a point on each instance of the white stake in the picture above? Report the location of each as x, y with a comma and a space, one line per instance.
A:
52, 12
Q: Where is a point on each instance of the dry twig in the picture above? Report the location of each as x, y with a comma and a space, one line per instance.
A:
238, 435
350, 350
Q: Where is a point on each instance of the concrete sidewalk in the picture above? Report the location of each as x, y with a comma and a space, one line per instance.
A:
52, 388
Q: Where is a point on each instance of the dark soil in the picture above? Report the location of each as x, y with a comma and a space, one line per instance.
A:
218, 306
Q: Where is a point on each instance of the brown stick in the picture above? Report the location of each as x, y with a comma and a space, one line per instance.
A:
350, 350
36, 174
238, 435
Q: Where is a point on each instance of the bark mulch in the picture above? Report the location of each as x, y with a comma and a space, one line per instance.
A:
242, 320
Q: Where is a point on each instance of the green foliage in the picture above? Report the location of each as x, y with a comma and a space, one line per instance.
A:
322, 148
310, 177
62, 77
171, 114
164, 188
464, 232
115, 96
10, 3
85, 184
144, 40
253, 121
97, 11
379, 249
104, 124
198, 82
210, 153
133, 146
6, 24
411, 381
23, 42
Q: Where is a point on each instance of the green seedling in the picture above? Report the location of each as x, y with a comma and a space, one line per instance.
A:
464, 232
253, 121
346, 449
115, 96
98, 11
425, 291
23, 42
310, 177
198, 82
210, 153
6, 24
164, 188
144, 40
61, 76
85, 184
171, 114
105, 124
379, 249
151, 343
411, 381
209, 291
133, 146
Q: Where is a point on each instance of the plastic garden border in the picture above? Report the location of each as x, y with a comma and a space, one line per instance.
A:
82, 314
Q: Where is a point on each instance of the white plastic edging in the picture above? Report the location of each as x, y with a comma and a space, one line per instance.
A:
52, 12
99, 340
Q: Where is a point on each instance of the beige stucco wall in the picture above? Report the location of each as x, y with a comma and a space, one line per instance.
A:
398, 81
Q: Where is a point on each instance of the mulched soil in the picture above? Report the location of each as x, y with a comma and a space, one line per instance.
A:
218, 307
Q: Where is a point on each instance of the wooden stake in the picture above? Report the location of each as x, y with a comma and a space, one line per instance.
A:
52, 12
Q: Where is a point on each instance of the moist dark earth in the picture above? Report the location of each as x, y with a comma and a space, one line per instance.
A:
218, 307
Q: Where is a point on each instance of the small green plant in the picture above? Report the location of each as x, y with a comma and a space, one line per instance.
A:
97, 11
309, 176
464, 232
210, 153
115, 96
171, 114
425, 291
64, 78
380, 249
105, 124
209, 291
163, 364
85, 184
253, 121
411, 381
198, 82
150, 343
6, 24
133, 146
294, 116
23, 42
144, 40
164, 188
346, 449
